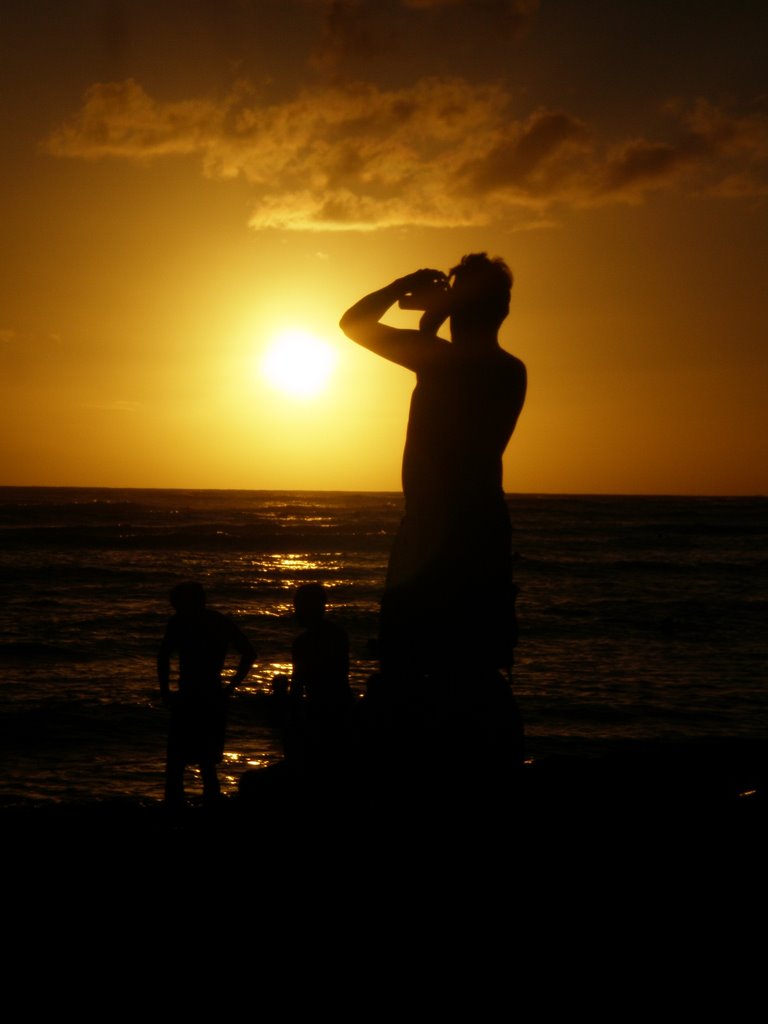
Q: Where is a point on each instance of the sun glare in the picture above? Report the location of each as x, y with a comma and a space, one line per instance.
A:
298, 363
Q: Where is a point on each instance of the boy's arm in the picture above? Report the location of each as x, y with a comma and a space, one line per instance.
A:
164, 668
247, 657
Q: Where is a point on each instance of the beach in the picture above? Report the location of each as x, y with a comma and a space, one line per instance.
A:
703, 798
640, 671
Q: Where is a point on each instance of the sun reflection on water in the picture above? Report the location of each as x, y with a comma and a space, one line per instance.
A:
297, 562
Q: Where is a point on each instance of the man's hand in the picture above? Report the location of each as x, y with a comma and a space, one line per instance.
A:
424, 283
428, 290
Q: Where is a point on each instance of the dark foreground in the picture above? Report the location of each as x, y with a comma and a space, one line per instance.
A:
653, 792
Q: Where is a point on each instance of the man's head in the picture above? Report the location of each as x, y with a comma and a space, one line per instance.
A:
478, 298
187, 598
481, 290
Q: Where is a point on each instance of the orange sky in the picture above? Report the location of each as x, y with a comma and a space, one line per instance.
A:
182, 182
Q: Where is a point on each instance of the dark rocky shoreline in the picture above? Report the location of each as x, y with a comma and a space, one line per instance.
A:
653, 786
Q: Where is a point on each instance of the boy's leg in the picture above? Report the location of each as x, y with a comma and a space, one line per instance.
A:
211, 786
174, 780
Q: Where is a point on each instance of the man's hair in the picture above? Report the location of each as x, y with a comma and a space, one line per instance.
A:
482, 288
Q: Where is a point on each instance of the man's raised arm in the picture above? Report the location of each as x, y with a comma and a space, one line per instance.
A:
362, 324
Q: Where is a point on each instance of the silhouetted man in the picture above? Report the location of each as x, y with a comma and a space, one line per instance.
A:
201, 638
449, 600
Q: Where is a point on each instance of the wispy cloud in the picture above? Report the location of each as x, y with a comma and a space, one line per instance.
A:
438, 152
14, 341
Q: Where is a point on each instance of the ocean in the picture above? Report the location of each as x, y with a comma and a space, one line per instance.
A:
641, 619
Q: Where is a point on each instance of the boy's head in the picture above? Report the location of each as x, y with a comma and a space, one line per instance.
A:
187, 597
309, 603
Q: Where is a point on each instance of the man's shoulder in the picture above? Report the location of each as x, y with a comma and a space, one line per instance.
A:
511, 361
505, 370
513, 369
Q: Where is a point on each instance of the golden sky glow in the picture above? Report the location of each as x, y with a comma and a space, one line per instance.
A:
187, 184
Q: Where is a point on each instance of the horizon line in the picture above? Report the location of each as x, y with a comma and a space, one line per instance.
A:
339, 490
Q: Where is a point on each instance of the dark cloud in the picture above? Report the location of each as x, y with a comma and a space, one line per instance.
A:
715, 146
440, 152
528, 154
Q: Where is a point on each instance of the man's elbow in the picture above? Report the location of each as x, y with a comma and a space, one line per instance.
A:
349, 323
359, 329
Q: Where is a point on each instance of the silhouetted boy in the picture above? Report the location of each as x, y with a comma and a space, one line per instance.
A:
201, 638
320, 692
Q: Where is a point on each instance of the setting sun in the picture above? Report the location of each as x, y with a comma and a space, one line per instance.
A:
298, 363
